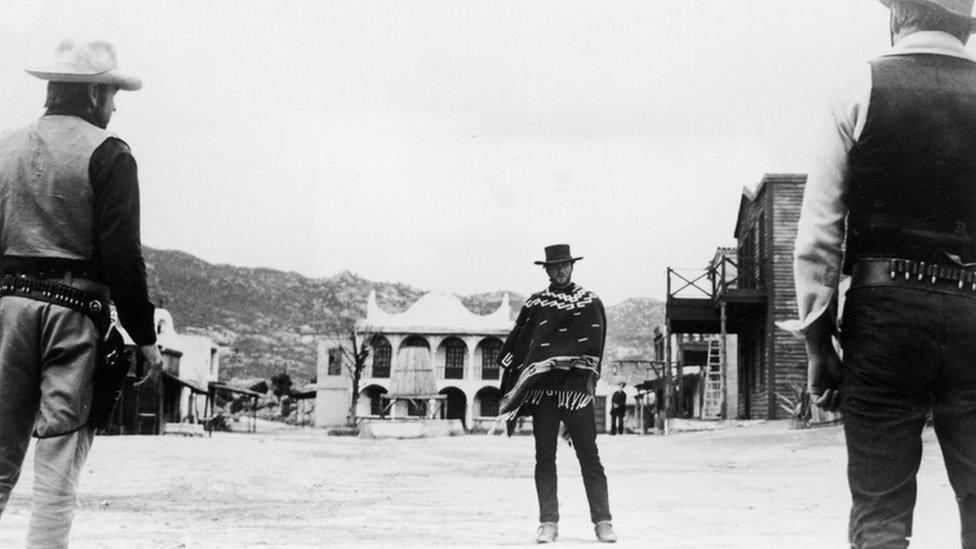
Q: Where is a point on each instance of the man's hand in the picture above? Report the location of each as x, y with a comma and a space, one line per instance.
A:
824, 376
824, 371
154, 362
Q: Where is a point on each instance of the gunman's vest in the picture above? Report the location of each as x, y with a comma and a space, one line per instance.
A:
46, 198
912, 191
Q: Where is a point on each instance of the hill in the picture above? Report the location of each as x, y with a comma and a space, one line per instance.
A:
266, 320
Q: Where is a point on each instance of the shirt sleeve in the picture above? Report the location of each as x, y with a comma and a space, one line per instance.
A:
818, 250
115, 187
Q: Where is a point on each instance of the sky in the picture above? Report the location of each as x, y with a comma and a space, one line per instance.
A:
443, 144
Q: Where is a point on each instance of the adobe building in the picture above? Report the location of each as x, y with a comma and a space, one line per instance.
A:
741, 294
462, 346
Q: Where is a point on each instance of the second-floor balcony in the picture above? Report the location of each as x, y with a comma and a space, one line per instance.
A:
694, 296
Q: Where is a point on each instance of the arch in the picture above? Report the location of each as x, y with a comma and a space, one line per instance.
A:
487, 399
487, 357
371, 400
451, 357
382, 356
456, 405
415, 341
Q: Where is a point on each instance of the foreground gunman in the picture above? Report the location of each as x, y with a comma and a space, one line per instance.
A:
897, 164
69, 243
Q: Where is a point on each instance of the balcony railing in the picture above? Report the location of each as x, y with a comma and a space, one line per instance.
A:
727, 274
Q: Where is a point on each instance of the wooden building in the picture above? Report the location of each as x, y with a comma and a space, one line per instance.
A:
742, 292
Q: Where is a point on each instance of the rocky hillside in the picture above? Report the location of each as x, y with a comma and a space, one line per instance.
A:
266, 319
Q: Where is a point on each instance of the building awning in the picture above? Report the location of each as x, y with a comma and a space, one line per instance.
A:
188, 384
220, 386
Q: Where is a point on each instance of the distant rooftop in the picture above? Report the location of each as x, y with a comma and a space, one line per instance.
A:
437, 313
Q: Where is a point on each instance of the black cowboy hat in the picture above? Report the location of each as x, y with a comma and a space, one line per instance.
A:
557, 253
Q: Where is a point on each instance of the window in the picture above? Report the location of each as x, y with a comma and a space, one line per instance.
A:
489, 359
335, 362
382, 356
454, 364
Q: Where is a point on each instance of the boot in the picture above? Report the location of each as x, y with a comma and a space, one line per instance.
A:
604, 532
547, 532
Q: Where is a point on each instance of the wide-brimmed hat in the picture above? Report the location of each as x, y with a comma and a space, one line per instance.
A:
557, 253
958, 8
86, 61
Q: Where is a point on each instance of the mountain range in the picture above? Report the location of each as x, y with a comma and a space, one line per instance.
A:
266, 320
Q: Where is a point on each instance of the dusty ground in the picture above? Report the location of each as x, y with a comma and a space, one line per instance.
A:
756, 486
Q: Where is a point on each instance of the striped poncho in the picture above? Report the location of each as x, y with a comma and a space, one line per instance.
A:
553, 351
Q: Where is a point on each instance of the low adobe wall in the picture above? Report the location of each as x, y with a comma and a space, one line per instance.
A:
410, 428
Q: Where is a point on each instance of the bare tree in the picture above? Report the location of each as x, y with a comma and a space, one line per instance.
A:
354, 359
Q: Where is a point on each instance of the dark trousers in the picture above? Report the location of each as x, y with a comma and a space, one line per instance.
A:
581, 426
617, 423
907, 351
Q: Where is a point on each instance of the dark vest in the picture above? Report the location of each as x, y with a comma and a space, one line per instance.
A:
46, 208
912, 190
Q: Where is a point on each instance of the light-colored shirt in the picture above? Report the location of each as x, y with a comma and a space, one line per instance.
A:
817, 256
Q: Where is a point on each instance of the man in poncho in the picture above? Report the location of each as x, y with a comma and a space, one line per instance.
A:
551, 363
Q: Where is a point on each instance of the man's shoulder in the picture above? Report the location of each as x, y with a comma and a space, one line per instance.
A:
577, 298
113, 145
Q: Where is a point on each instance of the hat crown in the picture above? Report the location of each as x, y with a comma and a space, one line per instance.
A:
558, 252
959, 8
84, 57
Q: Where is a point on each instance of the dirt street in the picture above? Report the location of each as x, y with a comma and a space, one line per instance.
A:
757, 486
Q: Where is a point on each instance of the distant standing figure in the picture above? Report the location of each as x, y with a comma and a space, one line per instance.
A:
618, 409
69, 242
891, 201
551, 362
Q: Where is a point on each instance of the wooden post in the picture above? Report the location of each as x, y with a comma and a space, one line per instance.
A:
667, 376
723, 359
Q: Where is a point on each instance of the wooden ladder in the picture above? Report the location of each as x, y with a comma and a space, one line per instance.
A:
712, 408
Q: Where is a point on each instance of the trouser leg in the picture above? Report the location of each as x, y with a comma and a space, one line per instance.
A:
545, 429
19, 391
57, 464
889, 365
68, 343
17, 412
954, 410
581, 425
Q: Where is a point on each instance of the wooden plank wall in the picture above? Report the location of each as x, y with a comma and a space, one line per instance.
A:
787, 354
751, 350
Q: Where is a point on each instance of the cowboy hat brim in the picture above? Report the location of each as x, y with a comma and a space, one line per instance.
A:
972, 20
555, 261
124, 81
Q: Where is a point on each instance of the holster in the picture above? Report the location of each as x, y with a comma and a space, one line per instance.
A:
114, 361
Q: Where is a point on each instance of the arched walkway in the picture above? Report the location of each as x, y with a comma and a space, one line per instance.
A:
456, 404
487, 399
371, 401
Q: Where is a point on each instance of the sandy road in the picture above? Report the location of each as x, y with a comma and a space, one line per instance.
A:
757, 486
